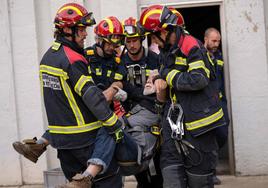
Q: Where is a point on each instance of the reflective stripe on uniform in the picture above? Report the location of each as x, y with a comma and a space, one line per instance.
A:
205, 121
67, 91
199, 65
109, 72
74, 129
210, 60
81, 82
111, 121
220, 95
180, 61
54, 71
220, 62
98, 72
56, 45
89, 70
170, 76
41, 84
148, 71
118, 76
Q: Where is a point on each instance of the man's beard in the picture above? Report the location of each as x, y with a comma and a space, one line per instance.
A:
212, 49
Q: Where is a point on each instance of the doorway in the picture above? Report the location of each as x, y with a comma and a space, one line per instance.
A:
197, 20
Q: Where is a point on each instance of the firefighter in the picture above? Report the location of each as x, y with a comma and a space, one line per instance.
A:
106, 68
98, 69
192, 111
212, 39
134, 151
140, 62
76, 109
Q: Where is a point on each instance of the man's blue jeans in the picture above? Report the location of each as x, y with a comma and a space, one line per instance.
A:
106, 148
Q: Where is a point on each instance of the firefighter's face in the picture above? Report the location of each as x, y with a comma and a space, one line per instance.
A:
109, 48
173, 38
80, 36
163, 35
212, 41
133, 44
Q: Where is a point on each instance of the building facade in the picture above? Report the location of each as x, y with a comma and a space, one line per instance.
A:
27, 31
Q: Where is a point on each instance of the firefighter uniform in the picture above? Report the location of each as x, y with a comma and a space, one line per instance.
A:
221, 132
137, 74
104, 70
191, 78
72, 123
135, 82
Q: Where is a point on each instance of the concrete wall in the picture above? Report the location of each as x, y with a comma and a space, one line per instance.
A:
26, 33
247, 57
21, 114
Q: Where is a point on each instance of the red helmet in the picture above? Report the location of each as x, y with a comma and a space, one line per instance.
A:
180, 21
156, 18
131, 29
110, 29
73, 14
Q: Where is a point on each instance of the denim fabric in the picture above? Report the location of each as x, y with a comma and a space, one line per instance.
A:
106, 148
103, 150
135, 144
75, 161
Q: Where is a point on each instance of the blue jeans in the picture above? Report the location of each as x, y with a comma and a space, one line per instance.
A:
75, 161
137, 143
106, 149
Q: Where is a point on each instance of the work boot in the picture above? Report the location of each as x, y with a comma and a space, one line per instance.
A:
30, 149
78, 181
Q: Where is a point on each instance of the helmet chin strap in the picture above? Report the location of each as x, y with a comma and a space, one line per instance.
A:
179, 33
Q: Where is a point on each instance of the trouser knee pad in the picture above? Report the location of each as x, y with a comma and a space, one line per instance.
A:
200, 180
174, 177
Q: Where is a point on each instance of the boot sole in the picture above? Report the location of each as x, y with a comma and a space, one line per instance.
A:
19, 147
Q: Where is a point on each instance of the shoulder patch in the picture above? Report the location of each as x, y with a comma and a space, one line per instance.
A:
90, 52
56, 46
188, 43
117, 60
74, 56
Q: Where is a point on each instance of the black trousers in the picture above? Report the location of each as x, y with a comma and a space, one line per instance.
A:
74, 161
200, 161
146, 180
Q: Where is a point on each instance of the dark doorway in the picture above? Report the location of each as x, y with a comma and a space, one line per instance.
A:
197, 20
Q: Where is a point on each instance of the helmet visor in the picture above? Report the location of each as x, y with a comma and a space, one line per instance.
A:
115, 39
167, 17
87, 20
